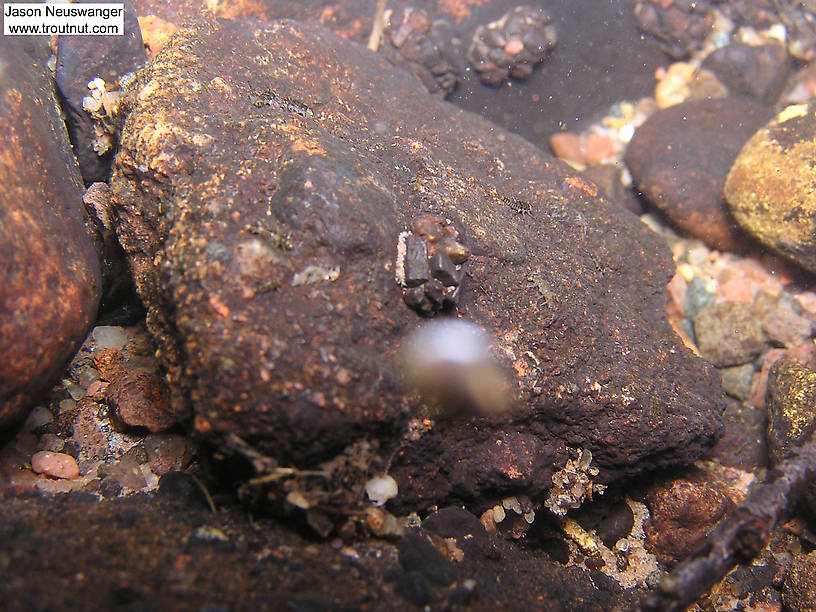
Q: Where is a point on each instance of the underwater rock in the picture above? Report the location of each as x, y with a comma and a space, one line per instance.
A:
683, 511
727, 333
50, 271
790, 401
89, 111
265, 176
680, 157
756, 72
129, 550
799, 588
769, 187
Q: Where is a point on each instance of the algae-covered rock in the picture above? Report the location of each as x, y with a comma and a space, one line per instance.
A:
285, 198
770, 187
791, 405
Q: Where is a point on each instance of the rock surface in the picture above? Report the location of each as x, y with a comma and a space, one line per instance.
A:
49, 271
799, 588
791, 405
680, 157
683, 511
138, 399
172, 553
728, 334
584, 74
769, 187
262, 208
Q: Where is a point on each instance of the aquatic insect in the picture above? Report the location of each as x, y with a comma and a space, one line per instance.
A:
280, 240
271, 98
520, 207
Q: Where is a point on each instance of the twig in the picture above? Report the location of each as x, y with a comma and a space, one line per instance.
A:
377, 27
739, 537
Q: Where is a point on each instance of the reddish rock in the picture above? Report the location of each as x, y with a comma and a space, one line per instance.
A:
270, 279
167, 452
682, 512
87, 433
598, 148
680, 158
567, 146
56, 465
138, 399
49, 271
110, 363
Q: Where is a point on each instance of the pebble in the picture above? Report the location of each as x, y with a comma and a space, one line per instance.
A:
736, 380
417, 554
567, 146
754, 71
56, 465
138, 399
166, 453
743, 444
783, 327
109, 337
51, 442
727, 333
683, 510
126, 472
599, 148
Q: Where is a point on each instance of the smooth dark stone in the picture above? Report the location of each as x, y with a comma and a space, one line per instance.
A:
416, 261
443, 269
49, 267
79, 60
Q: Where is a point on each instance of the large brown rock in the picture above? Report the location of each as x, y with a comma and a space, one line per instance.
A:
265, 176
49, 271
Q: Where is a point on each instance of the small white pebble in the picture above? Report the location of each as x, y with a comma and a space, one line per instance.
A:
381, 488
56, 465
109, 337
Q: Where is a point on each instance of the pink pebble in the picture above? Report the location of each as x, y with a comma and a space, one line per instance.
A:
514, 46
56, 465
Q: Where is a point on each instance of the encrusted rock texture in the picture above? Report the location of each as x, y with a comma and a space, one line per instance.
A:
265, 174
49, 280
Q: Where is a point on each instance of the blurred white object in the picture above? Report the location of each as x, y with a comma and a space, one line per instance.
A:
448, 360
